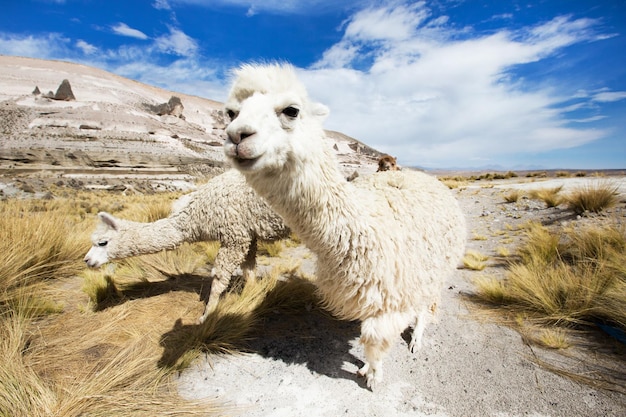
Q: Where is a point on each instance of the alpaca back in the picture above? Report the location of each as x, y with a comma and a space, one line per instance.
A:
227, 209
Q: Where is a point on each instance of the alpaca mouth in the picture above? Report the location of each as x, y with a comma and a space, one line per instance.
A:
245, 163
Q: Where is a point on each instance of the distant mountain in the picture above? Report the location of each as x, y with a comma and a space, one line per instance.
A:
116, 125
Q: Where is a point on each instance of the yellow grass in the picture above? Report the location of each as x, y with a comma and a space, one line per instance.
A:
503, 252
550, 196
119, 357
474, 260
271, 249
559, 286
571, 278
593, 198
513, 196
37, 245
454, 183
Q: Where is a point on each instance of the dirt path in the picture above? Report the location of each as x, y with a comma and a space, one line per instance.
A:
305, 365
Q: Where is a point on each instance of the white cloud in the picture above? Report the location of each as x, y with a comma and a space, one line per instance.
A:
87, 48
609, 96
433, 95
177, 43
161, 5
185, 75
50, 46
124, 30
386, 24
589, 119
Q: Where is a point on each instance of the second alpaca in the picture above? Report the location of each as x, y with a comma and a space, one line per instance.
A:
225, 209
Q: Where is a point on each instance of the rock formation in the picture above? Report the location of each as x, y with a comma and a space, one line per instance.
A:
64, 92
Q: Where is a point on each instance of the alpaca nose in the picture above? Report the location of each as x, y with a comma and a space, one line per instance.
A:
238, 137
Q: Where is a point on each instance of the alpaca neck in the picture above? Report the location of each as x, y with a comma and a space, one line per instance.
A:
317, 203
138, 238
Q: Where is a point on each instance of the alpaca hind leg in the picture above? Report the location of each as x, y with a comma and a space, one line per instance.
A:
418, 331
226, 261
377, 335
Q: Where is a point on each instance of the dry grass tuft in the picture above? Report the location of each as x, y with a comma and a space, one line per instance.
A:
34, 252
561, 284
593, 198
503, 252
271, 249
513, 196
475, 261
87, 364
550, 196
567, 279
453, 182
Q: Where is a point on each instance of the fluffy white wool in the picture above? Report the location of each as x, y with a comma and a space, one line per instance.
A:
385, 244
225, 209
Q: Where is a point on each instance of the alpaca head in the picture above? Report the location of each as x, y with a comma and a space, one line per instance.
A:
103, 240
387, 163
272, 120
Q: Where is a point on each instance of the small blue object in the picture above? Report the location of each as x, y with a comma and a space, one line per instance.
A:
613, 331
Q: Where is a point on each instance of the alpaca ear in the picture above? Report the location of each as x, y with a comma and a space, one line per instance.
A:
108, 219
319, 111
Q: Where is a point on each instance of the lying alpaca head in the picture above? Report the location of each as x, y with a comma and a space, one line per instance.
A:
387, 163
272, 119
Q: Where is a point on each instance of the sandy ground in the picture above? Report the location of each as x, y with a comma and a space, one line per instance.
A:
305, 365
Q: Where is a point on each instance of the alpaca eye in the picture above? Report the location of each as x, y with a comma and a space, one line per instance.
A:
291, 111
103, 243
231, 114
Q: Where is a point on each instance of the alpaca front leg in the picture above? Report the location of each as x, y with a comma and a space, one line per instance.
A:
226, 261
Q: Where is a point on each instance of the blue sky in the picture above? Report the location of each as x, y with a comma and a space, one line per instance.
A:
439, 84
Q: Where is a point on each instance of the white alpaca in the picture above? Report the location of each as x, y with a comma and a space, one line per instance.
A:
225, 209
384, 244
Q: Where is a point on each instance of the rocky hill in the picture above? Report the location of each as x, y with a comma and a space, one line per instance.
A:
82, 126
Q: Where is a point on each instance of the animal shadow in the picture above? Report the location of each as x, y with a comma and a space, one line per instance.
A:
313, 338
293, 335
117, 294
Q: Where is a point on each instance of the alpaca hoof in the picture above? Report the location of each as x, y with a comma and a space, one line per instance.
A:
372, 377
414, 346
